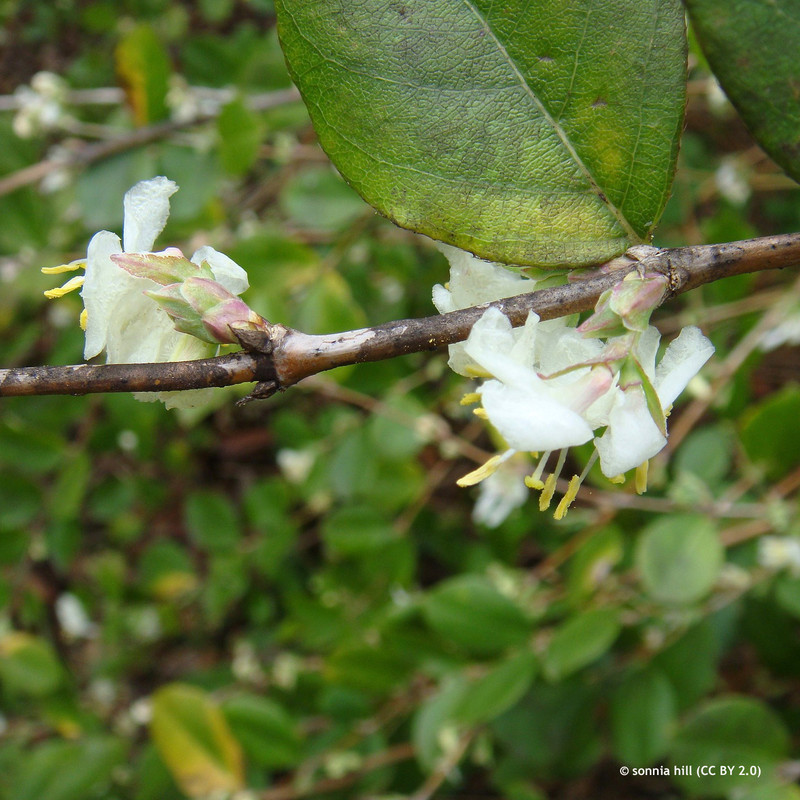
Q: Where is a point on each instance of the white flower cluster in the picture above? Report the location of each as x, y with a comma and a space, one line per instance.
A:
549, 387
41, 105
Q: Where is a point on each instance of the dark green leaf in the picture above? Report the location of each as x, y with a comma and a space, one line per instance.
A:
771, 434
739, 731
752, 48
580, 641
528, 133
60, 770
643, 714
498, 690
212, 521
265, 731
28, 665
469, 611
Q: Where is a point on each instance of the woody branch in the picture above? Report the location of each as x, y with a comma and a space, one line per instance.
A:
284, 356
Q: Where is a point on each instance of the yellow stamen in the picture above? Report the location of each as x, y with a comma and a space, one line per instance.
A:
618, 478
532, 482
83, 318
69, 286
71, 267
480, 412
469, 398
566, 500
641, 477
482, 472
474, 371
547, 493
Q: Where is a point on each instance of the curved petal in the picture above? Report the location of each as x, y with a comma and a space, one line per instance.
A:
532, 422
103, 286
631, 437
226, 270
682, 361
146, 208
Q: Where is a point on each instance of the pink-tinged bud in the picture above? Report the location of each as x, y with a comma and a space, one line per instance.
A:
604, 322
592, 387
635, 298
165, 268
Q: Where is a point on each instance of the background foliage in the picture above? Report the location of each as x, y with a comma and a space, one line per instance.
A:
292, 598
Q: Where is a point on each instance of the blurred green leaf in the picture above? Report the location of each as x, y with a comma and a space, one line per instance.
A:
69, 770
212, 521
591, 565
195, 741
771, 432
240, 132
28, 665
318, 199
679, 558
266, 732
167, 571
357, 531
690, 663
738, 731
471, 613
432, 717
143, 68
760, 78
497, 690
503, 131
643, 716
66, 497
581, 640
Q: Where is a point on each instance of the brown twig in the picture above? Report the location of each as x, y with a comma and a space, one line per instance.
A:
287, 356
85, 154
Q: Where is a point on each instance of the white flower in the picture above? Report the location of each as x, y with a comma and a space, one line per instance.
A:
632, 436
780, 552
118, 317
41, 105
533, 414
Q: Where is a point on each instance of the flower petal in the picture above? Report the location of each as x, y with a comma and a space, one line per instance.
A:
146, 207
682, 361
105, 283
631, 437
226, 270
532, 421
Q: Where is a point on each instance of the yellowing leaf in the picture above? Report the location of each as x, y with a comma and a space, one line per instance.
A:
195, 741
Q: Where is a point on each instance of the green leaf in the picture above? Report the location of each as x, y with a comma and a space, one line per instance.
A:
265, 731
739, 731
68, 770
195, 742
760, 75
357, 531
434, 715
240, 132
541, 134
212, 521
28, 665
770, 434
143, 68
498, 690
469, 611
679, 558
580, 641
643, 713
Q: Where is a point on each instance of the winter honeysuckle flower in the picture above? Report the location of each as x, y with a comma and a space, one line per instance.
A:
552, 389
119, 316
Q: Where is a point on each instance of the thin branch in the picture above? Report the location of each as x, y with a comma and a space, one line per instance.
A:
286, 356
86, 154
